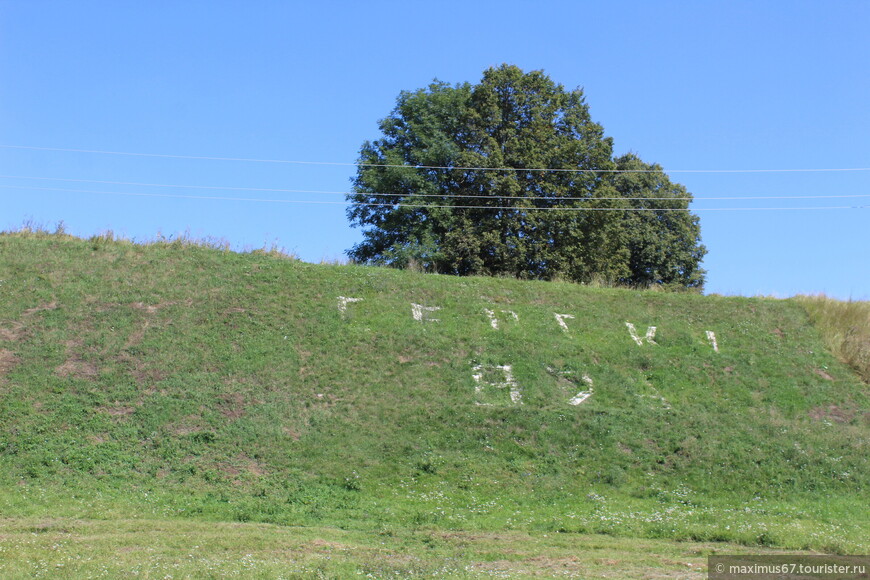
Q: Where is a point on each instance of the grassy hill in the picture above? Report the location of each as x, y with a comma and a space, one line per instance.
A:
178, 382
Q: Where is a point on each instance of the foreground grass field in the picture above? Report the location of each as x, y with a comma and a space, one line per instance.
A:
191, 549
411, 423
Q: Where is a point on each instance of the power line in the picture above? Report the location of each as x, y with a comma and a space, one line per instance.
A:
445, 167
437, 195
420, 206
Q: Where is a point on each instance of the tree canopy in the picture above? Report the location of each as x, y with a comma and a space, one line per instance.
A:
512, 177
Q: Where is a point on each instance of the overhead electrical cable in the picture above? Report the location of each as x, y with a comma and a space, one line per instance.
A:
421, 206
436, 195
443, 167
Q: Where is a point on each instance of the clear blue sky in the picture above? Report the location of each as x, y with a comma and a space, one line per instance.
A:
689, 85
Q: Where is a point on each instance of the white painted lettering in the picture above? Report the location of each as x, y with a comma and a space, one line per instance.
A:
582, 395
343, 302
567, 376
711, 336
560, 318
493, 320
508, 382
420, 312
650, 334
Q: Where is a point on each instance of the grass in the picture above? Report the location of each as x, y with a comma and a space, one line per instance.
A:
72, 548
845, 327
175, 384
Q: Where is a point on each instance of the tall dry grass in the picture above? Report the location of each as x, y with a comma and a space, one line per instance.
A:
845, 327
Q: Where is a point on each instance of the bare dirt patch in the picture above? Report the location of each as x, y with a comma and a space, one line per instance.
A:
75, 366
136, 336
232, 405
12, 333
229, 469
47, 306
146, 373
241, 463
320, 545
624, 448
823, 374
17, 329
252, 465
537, 566
150, 308
8, 360
292, 433
117, 410
187, 426
832, 413
78, 369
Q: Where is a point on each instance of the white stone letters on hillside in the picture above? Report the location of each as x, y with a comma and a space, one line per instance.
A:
582, 395
711, 336
493, 319
560, 318
568, 377
508, 382
491, 380
650, 334
421, 313
344, 301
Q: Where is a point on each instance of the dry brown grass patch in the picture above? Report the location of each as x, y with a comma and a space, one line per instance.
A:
232, 405
17, 329
845, 327
187, 426
78, 369
117, 410
832, 413
12, 333
8, 360
241, 464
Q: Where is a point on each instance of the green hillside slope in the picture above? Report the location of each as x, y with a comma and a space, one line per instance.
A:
173, 380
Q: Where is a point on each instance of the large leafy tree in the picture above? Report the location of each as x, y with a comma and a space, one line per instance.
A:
512, 177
